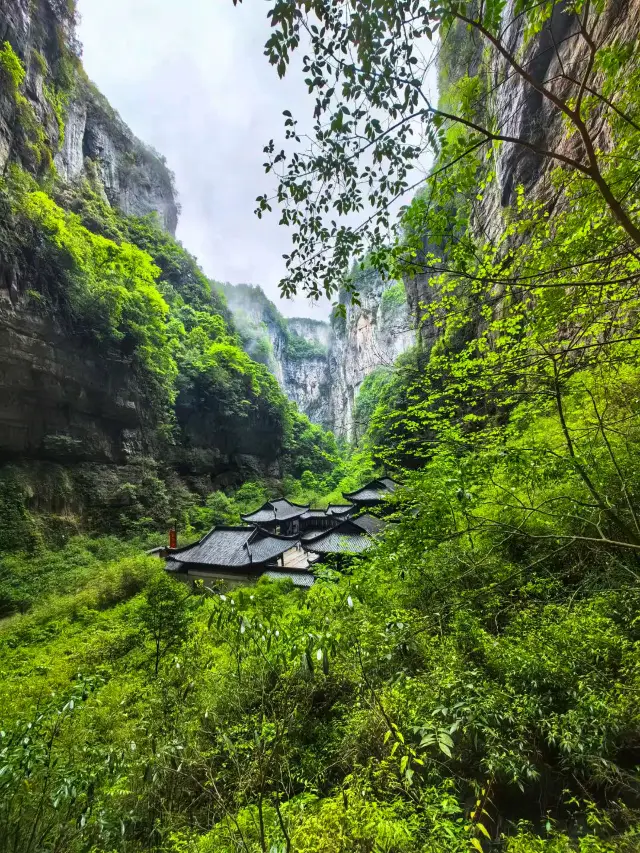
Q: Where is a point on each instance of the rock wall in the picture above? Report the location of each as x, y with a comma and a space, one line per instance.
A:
95, 141
74, 423
325, 381
307, 383
373, 335
521, 111
61, 399
134, 178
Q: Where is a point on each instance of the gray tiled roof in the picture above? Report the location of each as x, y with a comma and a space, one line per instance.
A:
235, 547
370, 523
314, 513
278, 510
268, 548
346, 538
335, 542
312, 533
260, 516
300, 579
369, 494
376, 490
339, 509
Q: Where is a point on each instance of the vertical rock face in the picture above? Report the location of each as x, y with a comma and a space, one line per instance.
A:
373, 335
95, 141
62, 398
135, 179
311, 330
522, 112
307, 383
321, 366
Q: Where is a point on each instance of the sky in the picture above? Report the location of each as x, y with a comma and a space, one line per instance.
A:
190, 78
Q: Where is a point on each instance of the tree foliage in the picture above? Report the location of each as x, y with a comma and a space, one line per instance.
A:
367, 64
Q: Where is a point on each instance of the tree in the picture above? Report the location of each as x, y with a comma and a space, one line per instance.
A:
375, 122
164, 615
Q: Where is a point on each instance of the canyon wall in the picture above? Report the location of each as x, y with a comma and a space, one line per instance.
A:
322, 365
79, 424
62, 396
520, 111
87, 135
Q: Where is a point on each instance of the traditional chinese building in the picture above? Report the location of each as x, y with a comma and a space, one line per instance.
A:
349, 537
373, 494
240, 555
279, 516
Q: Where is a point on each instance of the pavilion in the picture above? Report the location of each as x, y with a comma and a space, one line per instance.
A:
372, 494
240, 555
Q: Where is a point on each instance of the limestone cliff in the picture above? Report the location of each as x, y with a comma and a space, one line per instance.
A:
321, 366
373, 335
520, 111
85, 435
85, 134
62, 397
134, 178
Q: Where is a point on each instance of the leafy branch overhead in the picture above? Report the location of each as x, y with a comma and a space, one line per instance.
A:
378, 133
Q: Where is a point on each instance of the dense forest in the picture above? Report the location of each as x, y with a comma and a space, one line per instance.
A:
472, 682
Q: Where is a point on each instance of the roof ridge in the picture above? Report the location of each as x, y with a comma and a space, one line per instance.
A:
291, 503
258, 529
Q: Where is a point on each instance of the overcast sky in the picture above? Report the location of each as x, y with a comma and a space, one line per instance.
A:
190, 78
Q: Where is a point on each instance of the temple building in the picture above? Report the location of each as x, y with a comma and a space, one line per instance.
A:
351, 536
373, 494
240, 555
282, 540
279, 516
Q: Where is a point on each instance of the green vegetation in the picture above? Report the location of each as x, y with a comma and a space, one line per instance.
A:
472, 681
137, 295
376, 387
29, 139
258, 320
299, 348
394, 297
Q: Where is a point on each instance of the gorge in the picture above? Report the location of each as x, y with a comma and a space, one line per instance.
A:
397, 609
321, 365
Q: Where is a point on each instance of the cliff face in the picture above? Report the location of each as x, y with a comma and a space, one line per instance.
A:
134, 178
62, 400
87, 136
61, 397
373, 335
79, 434
522, 112
321, 366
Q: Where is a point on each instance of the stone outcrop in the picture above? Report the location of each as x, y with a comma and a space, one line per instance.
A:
134, 178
